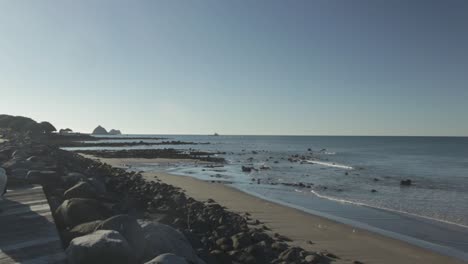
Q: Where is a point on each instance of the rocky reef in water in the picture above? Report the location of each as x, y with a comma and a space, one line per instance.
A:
166, 153
126, 144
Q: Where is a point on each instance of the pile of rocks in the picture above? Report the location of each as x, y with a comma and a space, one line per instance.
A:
108, 215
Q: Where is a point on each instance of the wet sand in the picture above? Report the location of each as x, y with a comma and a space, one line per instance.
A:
305, 230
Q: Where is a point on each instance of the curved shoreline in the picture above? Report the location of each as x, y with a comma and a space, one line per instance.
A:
347, 241
440, 249
385, 209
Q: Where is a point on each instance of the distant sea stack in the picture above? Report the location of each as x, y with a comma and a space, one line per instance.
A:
115, 132
100, 131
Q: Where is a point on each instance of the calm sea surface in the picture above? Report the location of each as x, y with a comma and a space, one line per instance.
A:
343, 171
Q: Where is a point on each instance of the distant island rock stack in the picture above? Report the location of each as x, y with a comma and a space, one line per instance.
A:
102, 131
115, 132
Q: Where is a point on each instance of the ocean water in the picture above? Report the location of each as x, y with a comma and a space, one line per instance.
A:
343, 171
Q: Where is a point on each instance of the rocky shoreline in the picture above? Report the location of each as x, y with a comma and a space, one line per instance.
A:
109, 215
166, 153
127, 144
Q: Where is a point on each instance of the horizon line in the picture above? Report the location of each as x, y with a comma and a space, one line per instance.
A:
288, 135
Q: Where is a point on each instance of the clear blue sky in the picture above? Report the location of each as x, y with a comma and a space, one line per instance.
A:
238, 67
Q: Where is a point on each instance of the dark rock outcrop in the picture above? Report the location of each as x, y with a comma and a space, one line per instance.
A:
247, 169
407, 182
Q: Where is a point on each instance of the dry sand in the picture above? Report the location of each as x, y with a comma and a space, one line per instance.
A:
347, 242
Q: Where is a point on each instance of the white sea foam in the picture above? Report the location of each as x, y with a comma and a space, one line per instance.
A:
330, 164
383, 208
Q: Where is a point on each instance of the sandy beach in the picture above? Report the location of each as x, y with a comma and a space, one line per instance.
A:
305, 230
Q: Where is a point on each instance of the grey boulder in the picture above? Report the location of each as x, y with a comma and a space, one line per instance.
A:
76, 211
72, 179
16, 163
129, 228
81, 230
103, 246
42, 177
161, 239
81, 190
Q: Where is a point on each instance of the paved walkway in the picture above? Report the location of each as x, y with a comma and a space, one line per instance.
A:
27, 229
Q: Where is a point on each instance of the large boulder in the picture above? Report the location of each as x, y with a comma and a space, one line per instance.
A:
19, 173
17, 176
3, 157
103, 246
41, 162
42, 177
162, 239
76, 211
5, 153
98, 184
129, 228
16, 163
168, 259
7, 150
73, 178
81, 230
81, 190
20, 153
